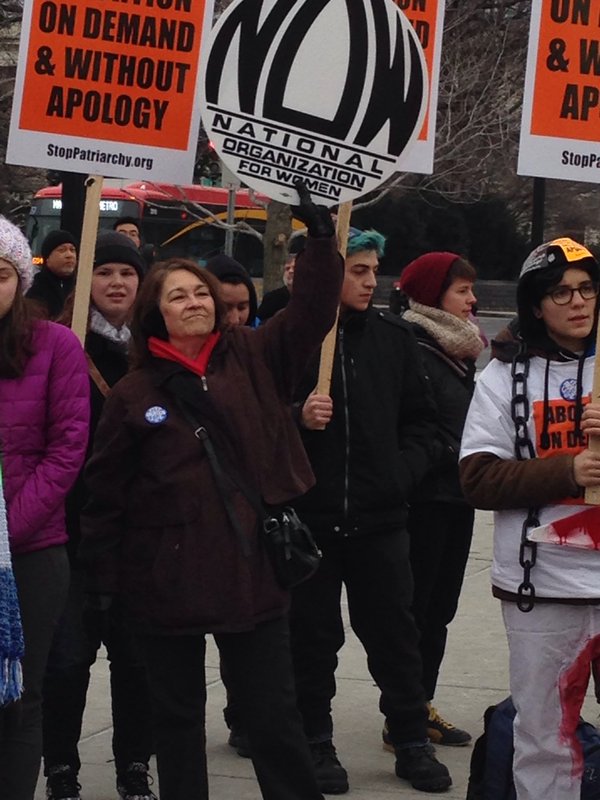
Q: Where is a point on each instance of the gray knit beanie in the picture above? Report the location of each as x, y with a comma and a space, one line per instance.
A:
15, 249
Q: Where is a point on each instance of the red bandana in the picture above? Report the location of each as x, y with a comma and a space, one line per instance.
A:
162, 349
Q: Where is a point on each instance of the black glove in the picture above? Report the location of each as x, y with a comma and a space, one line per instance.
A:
316, 218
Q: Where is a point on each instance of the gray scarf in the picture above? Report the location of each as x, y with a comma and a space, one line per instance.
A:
458, 338
102, 327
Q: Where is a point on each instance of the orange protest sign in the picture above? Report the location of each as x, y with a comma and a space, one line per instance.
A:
567, 62
427, 18
425, 15
94, 74
561, 111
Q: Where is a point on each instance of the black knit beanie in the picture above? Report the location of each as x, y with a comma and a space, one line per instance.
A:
54, 239
113, 247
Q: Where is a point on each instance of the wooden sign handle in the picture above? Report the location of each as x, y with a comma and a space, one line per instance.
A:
328, 348
85, 265
592, 493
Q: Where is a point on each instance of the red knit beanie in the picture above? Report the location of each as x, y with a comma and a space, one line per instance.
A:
423, 278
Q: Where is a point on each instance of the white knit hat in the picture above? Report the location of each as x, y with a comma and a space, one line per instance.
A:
14, 248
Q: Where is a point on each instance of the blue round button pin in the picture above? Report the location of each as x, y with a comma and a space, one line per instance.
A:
155, 415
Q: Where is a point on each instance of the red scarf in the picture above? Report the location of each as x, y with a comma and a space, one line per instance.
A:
162, 349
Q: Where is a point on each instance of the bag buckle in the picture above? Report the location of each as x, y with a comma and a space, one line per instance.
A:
270, 524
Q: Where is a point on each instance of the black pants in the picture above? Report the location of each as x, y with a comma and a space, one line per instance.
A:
440, 539
376, 572
259, 670
42, 579
73, 652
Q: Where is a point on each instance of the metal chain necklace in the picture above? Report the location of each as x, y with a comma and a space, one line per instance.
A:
524, 449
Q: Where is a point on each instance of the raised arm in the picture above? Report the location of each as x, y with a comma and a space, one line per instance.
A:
292, 336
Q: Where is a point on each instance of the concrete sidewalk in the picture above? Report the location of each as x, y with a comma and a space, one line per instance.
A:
474, 675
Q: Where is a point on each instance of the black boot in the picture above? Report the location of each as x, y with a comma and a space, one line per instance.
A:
420, 766
332, 778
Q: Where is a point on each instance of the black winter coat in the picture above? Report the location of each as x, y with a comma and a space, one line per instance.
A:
452, 382
50, 292
381, 440
273, 302
112, 363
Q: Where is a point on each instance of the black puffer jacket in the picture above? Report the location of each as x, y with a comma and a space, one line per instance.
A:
381, 440
452, 382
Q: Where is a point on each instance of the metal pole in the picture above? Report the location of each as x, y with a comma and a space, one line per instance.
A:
230, 221
73, 202
537, 214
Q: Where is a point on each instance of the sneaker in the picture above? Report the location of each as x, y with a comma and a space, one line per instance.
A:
239, 741
420, 766
332, 778
133, 783
442, 732
61, 783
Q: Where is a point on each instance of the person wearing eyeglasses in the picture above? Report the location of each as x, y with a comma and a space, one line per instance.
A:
526, 455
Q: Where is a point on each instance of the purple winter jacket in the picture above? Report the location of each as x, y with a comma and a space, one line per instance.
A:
44, 421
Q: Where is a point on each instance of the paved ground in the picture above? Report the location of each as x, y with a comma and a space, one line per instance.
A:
474, 675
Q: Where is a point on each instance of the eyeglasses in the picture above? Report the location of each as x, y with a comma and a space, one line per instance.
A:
563, 295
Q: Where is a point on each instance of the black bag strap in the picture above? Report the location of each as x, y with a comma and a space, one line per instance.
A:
223, 481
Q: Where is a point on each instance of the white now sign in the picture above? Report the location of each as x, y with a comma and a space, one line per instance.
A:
324, 90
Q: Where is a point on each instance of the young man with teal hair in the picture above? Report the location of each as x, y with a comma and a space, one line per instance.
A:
370, 443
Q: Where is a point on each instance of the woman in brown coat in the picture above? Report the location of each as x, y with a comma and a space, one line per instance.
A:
157, 530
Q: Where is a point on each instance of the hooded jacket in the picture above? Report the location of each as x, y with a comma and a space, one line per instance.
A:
228, 270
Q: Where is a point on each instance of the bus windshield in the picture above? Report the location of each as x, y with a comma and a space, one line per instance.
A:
178, 221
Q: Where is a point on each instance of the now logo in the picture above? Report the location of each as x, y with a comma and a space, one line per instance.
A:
345, 74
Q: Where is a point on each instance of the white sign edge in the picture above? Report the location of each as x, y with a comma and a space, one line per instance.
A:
25, 147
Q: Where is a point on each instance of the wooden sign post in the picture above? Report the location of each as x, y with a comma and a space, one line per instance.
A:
85, 267
592, 493
328, 347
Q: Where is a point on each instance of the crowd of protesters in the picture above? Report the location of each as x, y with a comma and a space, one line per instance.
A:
128, 513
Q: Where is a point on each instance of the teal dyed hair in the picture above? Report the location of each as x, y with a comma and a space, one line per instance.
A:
365, 240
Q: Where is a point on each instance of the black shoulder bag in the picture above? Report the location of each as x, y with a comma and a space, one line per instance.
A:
289, 543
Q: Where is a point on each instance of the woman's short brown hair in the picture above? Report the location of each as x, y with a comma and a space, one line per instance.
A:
147, 319
460, 269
